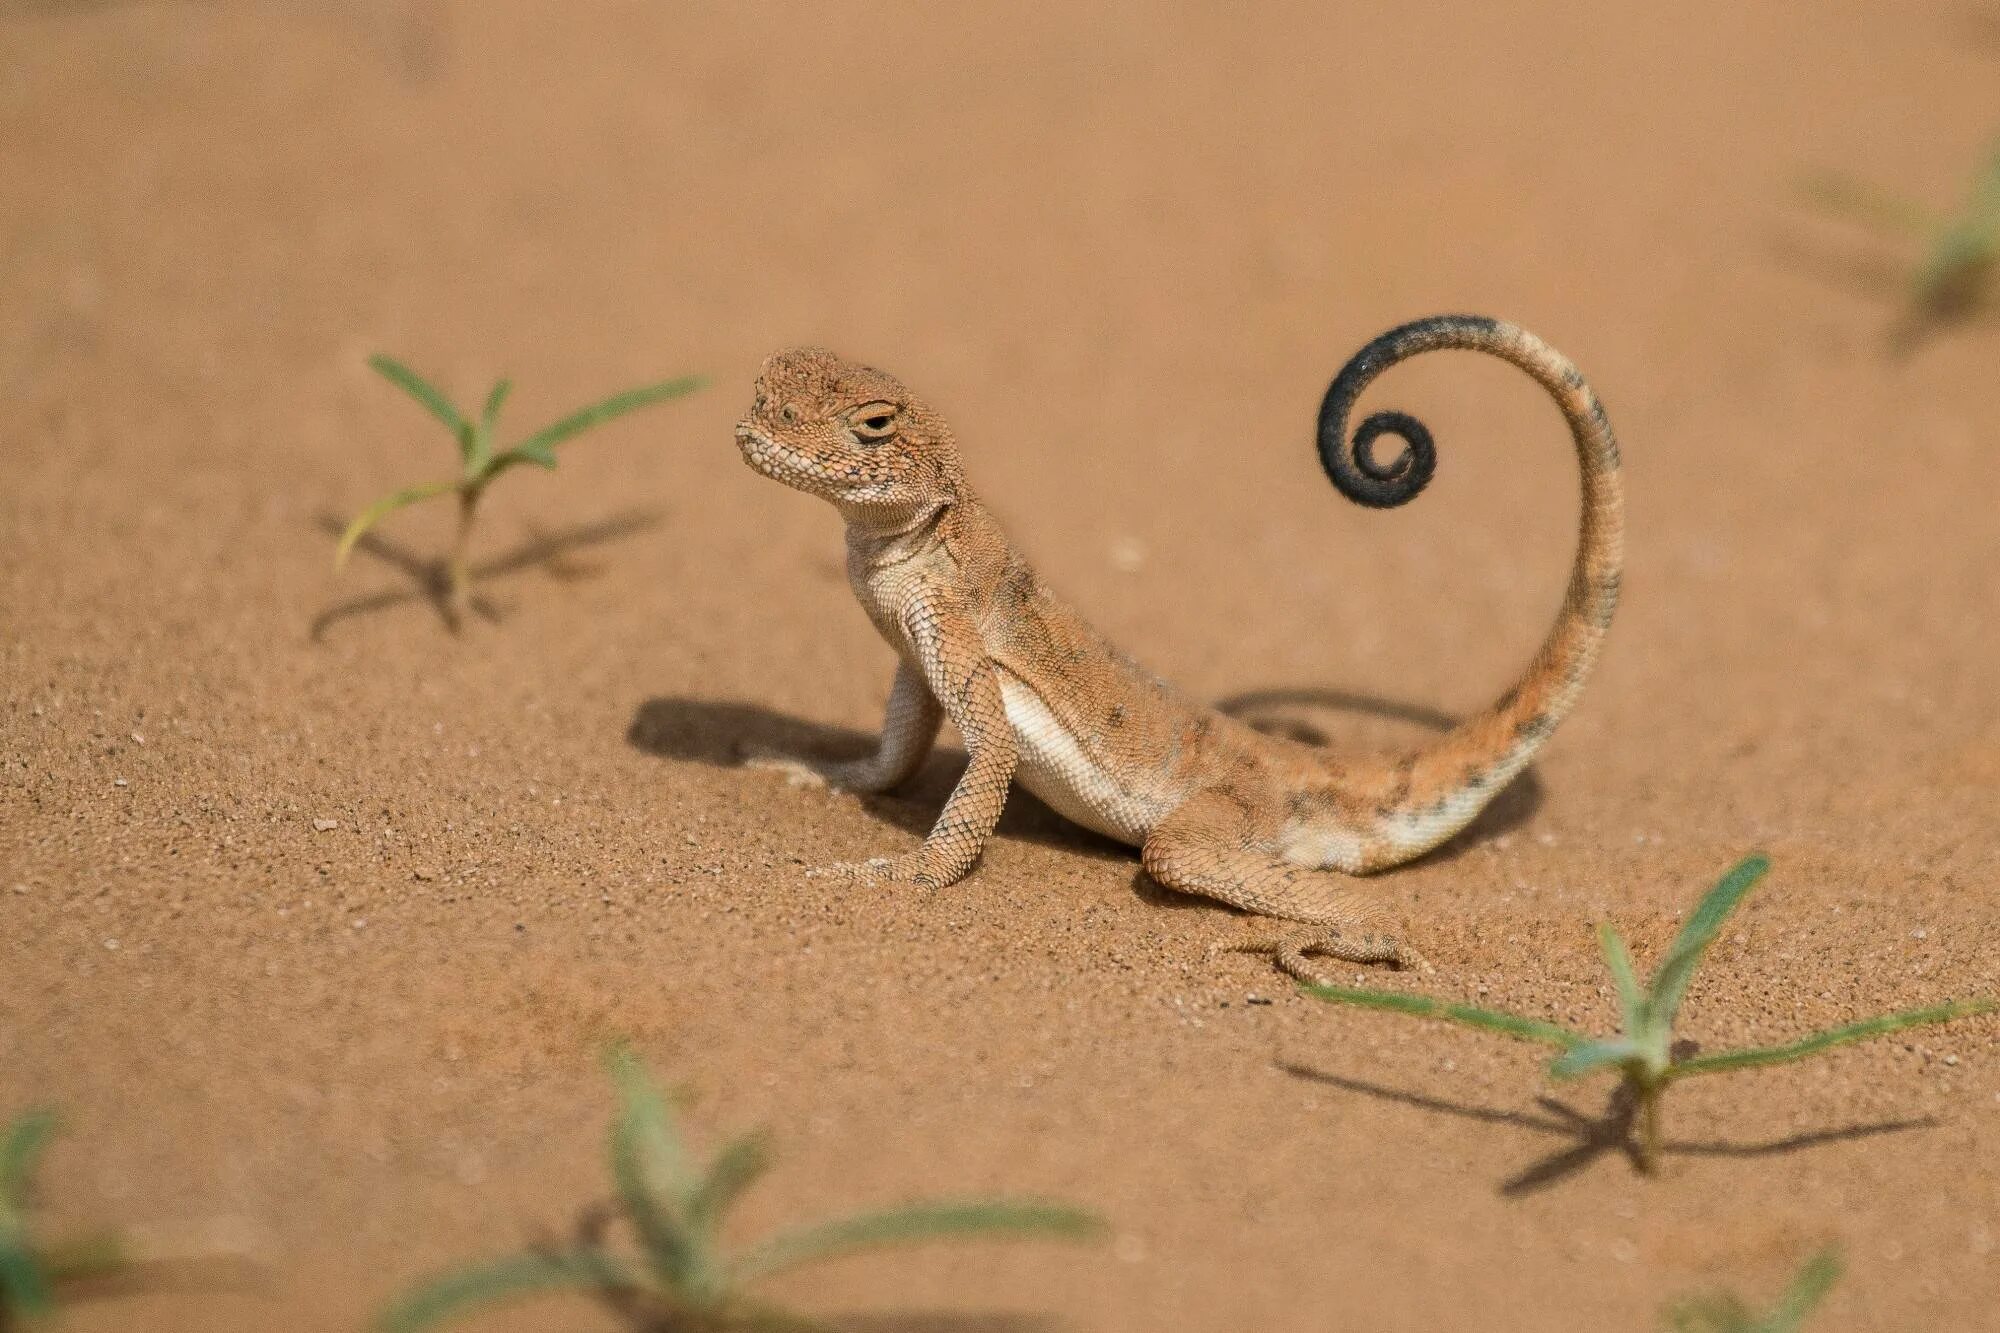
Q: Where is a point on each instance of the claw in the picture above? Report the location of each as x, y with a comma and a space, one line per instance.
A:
875, 870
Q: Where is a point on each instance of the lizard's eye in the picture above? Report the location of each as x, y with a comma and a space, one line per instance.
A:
874, 423
789, 414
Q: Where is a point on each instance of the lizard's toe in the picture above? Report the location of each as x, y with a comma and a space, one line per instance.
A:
1292, 951
797, 772
907, 869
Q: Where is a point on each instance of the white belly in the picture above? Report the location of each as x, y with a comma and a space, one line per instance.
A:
1055, 768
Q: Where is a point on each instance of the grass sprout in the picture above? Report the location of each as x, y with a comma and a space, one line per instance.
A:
672, 1273
37, 1274
481, 462
1644, 1052
1725, 1312
1961, 250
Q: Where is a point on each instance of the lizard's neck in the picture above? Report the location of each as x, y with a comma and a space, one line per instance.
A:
877, 538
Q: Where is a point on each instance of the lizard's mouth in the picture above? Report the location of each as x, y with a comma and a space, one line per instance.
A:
767, 456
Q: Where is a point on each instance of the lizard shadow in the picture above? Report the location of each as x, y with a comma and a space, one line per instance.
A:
1613, 1131
731, 733
548, 551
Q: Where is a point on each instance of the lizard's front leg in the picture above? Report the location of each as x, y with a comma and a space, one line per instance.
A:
961, 678
909, 729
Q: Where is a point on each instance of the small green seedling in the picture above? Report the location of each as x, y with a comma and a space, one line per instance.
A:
1962, 254
1725, 1312
480, 462
680, 1277
1644, 1052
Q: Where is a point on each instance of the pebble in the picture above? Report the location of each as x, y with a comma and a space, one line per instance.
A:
325, 825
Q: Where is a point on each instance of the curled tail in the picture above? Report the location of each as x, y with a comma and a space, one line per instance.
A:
1439, 790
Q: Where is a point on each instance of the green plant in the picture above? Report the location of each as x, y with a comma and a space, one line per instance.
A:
1962, 254
1644, 1052
1725, 1312
480, 462
680, 1278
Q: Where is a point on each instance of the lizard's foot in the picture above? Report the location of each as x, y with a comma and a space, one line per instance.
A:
797, 772
909, 868
1291, 949
860, 777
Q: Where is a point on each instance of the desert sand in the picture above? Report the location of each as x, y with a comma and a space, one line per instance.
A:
1124, 249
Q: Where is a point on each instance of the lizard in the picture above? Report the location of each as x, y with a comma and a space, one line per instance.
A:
1216, 808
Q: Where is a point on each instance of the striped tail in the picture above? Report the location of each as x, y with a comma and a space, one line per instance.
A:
1436, 792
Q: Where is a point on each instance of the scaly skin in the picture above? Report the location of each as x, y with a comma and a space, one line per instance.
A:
1215, 807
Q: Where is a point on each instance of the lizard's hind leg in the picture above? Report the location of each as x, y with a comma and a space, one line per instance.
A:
1210, 845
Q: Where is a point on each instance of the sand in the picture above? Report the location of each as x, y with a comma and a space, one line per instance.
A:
317, 916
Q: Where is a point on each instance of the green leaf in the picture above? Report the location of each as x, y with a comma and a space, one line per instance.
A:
650, 1166
24, 1288
490, 414
423, 391
1632, 1004
380, 510
520, 1275
1841, 1036
1422, 1006
540, 456
597, 414
479, 452
1808, 1289
21, 1148
910, 1224
735, 1169
1670, 981
1593, 1055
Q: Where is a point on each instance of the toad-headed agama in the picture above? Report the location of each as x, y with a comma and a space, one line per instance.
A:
1215, 807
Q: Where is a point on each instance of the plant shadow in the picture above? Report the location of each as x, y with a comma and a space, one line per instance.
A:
227, 1266
1872, 272
551, 552
642, 1311
1613, 1131
941, 1321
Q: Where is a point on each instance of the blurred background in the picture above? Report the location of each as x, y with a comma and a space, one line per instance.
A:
1123, 247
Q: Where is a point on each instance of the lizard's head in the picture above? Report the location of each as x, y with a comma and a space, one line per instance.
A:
850, 434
